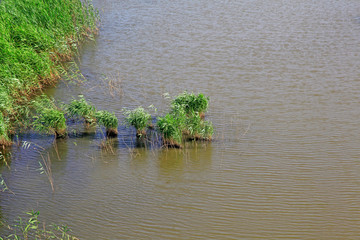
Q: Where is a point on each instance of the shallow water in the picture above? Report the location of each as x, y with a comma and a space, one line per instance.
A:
283, 79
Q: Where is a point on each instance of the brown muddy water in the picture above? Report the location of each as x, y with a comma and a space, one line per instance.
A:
284, 82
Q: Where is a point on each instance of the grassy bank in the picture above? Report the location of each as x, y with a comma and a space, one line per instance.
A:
36, 37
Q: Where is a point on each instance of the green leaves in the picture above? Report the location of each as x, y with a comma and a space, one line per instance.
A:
109, 121
190, 102
81, 108
180, 124
170, 128
4, 101
185, 121
3, 186
35, 37
41, 168
48, 117
106, 119
31, 228
138, 118
4, 131
3, 126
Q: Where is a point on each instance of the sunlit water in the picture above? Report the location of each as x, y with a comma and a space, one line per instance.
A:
284, 82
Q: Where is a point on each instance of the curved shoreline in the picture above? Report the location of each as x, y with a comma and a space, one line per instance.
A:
37, 37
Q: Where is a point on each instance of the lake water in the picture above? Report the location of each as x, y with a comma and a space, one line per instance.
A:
283, 79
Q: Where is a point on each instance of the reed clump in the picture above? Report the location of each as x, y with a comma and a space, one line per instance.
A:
196, 128
31, 227
48, 118
191, 103
80, 108
109, 121
36, 36
185, 121
170, 129
138, 118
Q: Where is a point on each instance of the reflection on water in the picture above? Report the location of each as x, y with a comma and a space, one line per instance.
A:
174, 164
284, 99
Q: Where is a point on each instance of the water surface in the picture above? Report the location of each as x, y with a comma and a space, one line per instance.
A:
283, 79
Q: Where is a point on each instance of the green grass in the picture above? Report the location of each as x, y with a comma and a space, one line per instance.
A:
185, 120
4, 130
191, 102
171, 130
48, 118
82, 109
36, 36
138, 118
196, 128
109, 121
31, 228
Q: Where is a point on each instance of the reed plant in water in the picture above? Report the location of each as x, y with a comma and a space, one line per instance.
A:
185, 121
48, 118
138, 118
109, 121
191, 103
196, 128
82, 109
31, 227
170, 130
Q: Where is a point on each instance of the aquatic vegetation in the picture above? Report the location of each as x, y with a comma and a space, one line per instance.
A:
185, 120
4, 132
191, 103
3, 186
196, 128
51, 120
31, 228
138, 118
192, 126
170, 129
109, 121
48, 118
207, 130
35, 38
81, 108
